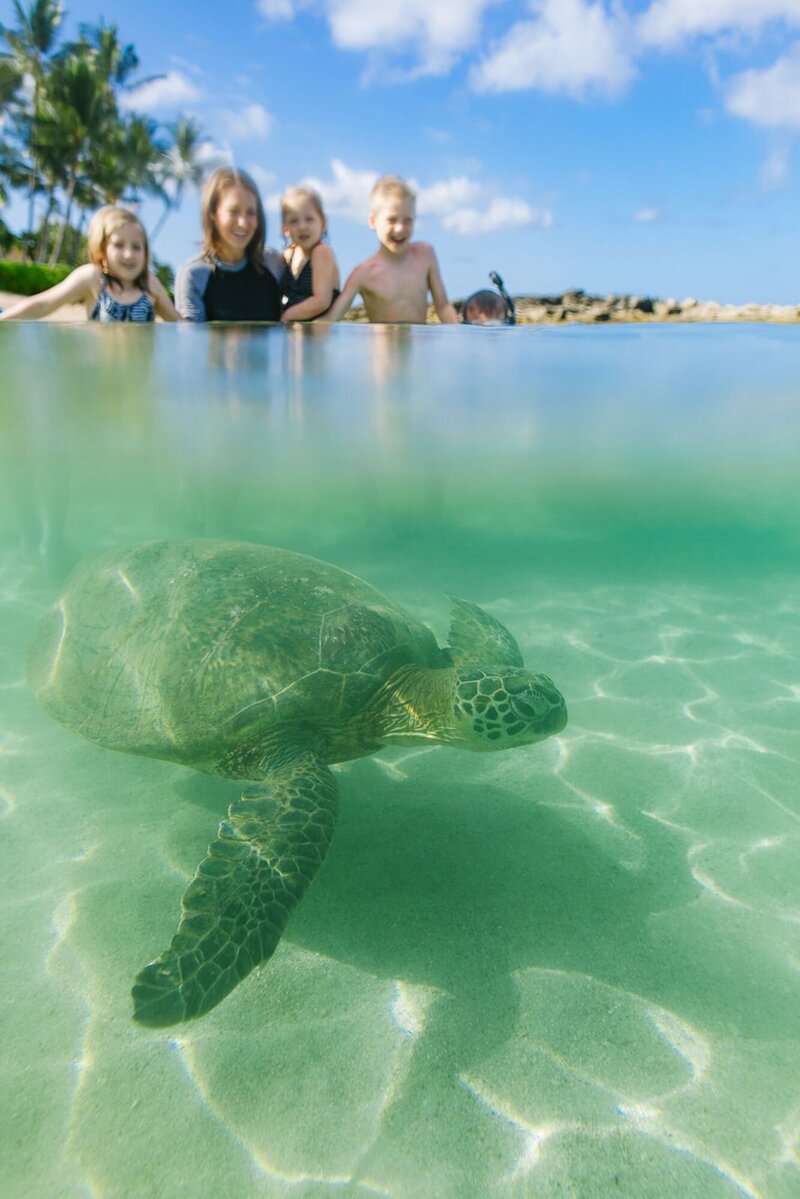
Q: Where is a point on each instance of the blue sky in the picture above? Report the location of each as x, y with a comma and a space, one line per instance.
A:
644, 146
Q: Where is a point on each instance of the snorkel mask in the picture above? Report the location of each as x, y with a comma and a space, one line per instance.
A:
511, 318
489, 308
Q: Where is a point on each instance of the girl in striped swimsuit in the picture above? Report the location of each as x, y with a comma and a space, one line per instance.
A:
116, 285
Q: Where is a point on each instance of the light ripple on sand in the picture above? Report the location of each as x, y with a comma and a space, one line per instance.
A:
407, 1006
7, 803
643, 1114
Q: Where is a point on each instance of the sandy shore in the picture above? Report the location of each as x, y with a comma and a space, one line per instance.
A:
70, 312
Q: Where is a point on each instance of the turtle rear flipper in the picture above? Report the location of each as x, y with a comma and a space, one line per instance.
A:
235, 908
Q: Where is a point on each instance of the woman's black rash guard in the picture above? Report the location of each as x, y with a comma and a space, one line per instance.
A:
207, 289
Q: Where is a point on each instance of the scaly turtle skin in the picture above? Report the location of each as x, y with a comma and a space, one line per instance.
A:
256, 663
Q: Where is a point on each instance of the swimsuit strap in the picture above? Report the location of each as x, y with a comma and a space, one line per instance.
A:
302, 268
107, 309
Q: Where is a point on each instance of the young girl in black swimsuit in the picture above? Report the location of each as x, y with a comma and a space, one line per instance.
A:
310, 281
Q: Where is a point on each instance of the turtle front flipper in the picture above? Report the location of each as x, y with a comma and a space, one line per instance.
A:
475, 636
236, 907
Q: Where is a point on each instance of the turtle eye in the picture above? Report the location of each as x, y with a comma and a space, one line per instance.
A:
525, 705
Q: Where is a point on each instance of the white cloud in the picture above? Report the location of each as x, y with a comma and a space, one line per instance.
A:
211, 156
440, 136
576, 48
466, 207
438, 30
441, 198
501, 213
770, 97
774, 170
169, 92
251, 122
264, 180
461, 204
668, 22
646, 216
570, 46
186, 64
276, 10
347, 193
208, 156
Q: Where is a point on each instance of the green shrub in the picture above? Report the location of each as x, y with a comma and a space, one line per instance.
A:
29, 278
165, 274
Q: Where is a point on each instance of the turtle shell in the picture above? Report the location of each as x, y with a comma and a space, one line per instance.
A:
188, 650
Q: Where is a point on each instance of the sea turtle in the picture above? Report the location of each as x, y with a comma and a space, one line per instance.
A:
260, 664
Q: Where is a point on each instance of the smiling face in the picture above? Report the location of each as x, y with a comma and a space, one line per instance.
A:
393, 222
303, 224
124, 254
235, 222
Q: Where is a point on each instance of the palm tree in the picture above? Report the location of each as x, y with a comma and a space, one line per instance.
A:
181, 164
78, 115
10, 79
129, 162
31, 44
68, 140
11, 171
114, 61
126, 154
35, 37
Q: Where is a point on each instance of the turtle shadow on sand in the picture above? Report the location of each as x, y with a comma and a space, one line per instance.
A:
460, 885
457, 885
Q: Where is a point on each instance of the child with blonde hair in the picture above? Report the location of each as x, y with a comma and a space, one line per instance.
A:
115, 285
235, 278
310, 281
394, 283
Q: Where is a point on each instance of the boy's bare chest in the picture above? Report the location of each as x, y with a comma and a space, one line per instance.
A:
406, 276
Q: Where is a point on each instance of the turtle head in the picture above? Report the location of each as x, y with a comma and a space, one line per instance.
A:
503, 707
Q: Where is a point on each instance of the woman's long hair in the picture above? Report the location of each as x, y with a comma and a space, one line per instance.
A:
218, 181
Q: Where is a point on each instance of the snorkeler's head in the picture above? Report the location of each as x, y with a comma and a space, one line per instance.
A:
485, 308
490, 307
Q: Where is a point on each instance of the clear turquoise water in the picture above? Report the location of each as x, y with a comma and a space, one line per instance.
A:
571, 970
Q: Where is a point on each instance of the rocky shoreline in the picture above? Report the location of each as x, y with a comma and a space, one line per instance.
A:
579, 307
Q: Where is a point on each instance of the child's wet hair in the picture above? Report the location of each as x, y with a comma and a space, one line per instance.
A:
486, 304
388, 186
213, 189
296, 195
102, 227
